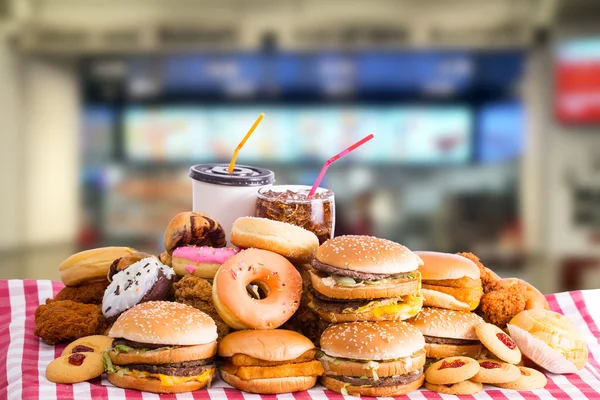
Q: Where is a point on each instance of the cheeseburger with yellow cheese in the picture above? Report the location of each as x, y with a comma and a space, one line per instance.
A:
363, 278
162, 347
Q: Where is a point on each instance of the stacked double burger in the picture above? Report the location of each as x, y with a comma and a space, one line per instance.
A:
365, 287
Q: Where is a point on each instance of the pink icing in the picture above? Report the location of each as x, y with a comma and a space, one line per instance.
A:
190, 269
204, 254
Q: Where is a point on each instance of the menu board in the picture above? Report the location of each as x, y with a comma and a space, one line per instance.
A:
501, 129
403, 135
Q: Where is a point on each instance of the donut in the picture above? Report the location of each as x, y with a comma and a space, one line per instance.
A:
122, 263
203, 261
193, 228
256, 273
145, 280
297, 244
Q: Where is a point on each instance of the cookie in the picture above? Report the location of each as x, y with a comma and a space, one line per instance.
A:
451, 370
75, 368
464, 387
88, 344
498, 343
528, 380
494, 371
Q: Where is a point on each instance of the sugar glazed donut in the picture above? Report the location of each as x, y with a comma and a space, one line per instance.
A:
256, 289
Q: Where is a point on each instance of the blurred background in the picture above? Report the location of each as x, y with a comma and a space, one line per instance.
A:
486, 118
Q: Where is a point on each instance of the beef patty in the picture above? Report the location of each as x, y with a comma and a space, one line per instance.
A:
459, 342
331, 270
329, 305
382, 381
186, 368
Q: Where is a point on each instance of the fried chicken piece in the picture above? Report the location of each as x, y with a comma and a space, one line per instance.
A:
88, 293
488, 277
197, 292
310, 368
306, 322
65, 320
499, 306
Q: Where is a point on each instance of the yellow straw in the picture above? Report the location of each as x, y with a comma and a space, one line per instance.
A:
243, 142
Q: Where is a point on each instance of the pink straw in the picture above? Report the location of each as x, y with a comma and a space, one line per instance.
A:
335, 158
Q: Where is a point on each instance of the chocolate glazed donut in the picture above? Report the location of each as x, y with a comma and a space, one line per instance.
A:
193, 228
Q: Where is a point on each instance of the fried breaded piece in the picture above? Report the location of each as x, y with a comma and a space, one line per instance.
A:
88, 293
466, 295
66, 320
499, 306
463, 282
197, 292
242, 360
311, 368
488, 277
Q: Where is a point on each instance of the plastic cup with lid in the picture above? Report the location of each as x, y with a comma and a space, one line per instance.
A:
227, 196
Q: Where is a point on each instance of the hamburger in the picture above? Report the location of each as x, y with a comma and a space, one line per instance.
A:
382, 358
449, 281
448, 333
269, 361
162, 347
363, 278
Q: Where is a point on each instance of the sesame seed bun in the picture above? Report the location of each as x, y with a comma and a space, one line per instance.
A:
383, 340
367, 254
270, 385
163, 322
374, 391
392, 288
440, 266
405, 366
442, 323
439, 351
266, 345
166, 356
154, 385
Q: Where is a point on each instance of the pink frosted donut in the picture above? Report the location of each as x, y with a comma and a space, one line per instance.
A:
201, 261
256, 273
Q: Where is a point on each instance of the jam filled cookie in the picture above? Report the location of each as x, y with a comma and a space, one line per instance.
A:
451, 370
88, 344
464, 387
75, 368
528, 380
498, 343
494, 371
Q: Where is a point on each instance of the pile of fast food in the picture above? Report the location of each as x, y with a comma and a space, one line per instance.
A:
282, 308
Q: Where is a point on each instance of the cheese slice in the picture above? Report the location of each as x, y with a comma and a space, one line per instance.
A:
167, 380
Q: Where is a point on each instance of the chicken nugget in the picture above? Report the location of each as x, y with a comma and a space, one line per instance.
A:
197, 292
65, 320
88, 293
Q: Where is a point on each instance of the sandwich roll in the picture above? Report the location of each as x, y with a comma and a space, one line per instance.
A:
550, 340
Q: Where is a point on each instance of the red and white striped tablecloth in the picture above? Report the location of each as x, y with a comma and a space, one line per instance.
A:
23, 357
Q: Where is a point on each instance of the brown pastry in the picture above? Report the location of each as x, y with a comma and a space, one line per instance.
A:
193, 228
